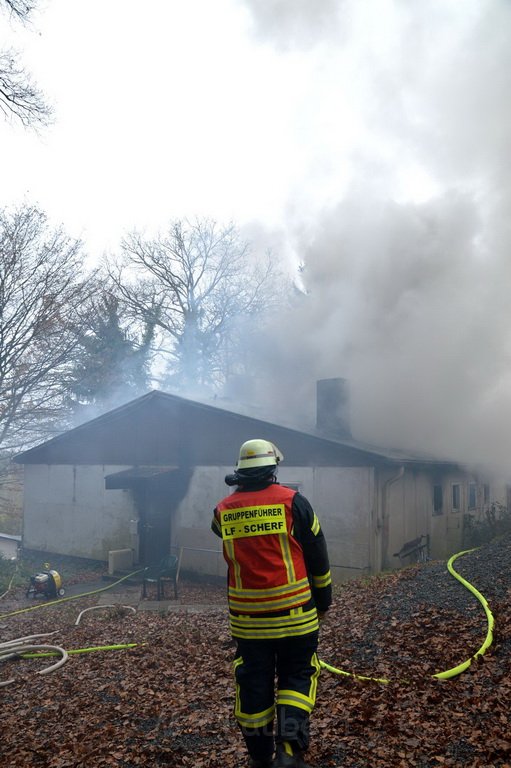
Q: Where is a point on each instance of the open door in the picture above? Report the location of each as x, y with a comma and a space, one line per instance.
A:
157, 492
155, 520
157, 502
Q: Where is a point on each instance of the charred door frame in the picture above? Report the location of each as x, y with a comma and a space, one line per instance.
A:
157, 493
152, 500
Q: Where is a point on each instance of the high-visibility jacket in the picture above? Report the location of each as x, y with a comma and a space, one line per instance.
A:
269, 583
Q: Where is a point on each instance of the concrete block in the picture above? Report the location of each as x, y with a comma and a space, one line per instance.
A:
119, 560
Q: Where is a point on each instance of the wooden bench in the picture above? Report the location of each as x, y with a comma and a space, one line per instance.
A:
418, 549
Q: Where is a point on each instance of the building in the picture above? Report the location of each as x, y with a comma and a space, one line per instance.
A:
144, 478
9, 546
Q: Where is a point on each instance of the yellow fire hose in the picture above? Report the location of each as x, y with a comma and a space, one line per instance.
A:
445, 675
19, 648
454, 671
90, 649
71, 597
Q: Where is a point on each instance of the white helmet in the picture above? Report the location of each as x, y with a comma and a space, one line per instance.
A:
258, 453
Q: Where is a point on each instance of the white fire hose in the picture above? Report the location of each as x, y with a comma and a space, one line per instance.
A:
14, 648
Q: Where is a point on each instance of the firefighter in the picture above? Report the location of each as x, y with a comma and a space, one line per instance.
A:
279, 588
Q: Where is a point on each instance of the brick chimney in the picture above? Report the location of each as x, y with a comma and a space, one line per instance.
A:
332, 407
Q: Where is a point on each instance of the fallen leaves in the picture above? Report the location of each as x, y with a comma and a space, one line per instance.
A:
170, 701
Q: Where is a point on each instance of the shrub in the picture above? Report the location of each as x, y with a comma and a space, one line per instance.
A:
479, 529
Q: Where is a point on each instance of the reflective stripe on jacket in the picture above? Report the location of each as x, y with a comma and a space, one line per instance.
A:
267, 571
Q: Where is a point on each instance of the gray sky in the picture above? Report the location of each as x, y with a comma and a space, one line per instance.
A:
365, 138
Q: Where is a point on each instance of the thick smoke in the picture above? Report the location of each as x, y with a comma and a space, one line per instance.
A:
295, 23
408, 291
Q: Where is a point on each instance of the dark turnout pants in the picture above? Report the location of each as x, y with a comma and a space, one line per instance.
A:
294, 662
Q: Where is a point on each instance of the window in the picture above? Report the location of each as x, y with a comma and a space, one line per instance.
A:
456, 496
438, 500
472, 495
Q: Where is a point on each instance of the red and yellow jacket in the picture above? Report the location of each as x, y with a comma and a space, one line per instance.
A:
278, 572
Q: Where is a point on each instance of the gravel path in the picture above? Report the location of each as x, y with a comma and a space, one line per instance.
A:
419, 615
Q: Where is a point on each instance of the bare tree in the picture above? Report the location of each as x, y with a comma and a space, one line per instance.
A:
21, 9
19, 97
195, 283
42, 290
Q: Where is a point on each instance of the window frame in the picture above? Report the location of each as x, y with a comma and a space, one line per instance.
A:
456, 492
438, 495
472, 496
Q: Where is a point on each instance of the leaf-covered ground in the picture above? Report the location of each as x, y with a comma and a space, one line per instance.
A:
168, 702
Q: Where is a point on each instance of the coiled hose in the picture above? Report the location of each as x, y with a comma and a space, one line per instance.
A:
15, 648
23, 647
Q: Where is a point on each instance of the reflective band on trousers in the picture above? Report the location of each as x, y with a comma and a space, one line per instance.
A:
295, 698
256, 719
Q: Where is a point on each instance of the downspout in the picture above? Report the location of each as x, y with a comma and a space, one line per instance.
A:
385, 515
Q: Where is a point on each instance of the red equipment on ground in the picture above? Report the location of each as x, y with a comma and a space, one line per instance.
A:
47, 583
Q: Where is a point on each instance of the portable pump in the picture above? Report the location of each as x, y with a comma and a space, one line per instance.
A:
47, 583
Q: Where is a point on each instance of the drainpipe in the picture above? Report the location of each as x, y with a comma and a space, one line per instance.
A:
385, 516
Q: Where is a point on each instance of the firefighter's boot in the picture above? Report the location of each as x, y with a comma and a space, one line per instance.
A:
287, 758
260, 763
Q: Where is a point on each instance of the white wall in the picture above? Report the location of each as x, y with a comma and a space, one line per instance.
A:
342, 498
407, 511
68, 510
365, 517
202, 551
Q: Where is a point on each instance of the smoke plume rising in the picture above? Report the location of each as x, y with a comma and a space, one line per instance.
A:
407, 267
